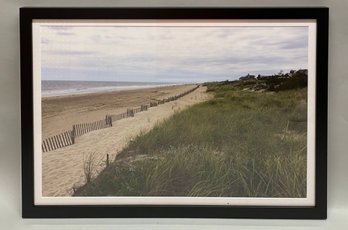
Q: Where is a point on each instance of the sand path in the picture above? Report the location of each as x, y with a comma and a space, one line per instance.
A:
63, 168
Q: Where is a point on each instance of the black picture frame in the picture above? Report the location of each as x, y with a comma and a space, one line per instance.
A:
30, 210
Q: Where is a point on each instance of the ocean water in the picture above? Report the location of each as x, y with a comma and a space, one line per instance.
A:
63, 88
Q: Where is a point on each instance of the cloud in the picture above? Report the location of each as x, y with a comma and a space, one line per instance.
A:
69, 52
179, 54
63, 33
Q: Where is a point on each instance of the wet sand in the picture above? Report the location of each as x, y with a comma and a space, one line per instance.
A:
62, 169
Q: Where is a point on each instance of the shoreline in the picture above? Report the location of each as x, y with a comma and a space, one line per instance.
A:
97, 90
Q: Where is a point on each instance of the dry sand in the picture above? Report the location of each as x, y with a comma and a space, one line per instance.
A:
62, 169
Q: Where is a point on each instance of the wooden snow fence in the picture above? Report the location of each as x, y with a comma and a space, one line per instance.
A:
57, 141
80, 129
68, 137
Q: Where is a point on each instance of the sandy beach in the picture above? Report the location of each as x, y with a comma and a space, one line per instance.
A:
60, 113
62, 169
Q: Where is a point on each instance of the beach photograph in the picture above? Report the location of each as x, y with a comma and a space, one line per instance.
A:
174, 110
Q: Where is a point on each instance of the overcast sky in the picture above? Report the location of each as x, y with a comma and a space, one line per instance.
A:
169, 54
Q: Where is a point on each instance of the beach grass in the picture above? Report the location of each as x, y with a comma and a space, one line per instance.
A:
238, 144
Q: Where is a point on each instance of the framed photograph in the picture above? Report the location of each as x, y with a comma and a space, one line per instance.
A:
174, 112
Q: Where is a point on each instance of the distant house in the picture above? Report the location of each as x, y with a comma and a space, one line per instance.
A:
291, 73
302, 71
261, 77
247, 77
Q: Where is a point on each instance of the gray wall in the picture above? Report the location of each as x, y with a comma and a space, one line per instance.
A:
10, 205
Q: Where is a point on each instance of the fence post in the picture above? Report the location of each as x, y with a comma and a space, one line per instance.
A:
143, 107
107, 160
108, 120
130, 113
73, 134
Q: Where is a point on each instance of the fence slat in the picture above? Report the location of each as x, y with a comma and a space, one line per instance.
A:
68, 137
48, 145
52, 144
57, 141
61, 141
44, 143
64, 138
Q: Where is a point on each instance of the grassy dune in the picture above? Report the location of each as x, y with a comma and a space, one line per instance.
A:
238, 144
